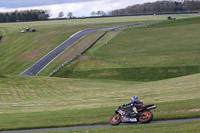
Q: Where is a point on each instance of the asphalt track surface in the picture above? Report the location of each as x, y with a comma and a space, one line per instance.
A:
96, 126
43, 62
47, 59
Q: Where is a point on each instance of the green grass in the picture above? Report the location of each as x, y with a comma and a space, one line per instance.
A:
71, 52
38, 102
166, 110
132, 74
19, 51
182, 127
159, 51
179, 22
1, 76
35, 102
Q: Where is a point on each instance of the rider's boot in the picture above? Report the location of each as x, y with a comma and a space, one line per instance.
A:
135, 110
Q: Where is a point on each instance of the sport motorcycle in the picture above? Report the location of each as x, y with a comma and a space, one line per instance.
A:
144, 115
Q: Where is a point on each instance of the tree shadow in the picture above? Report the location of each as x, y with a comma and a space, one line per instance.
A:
1, 76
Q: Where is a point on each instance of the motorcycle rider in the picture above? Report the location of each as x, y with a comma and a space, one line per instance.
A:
133, 105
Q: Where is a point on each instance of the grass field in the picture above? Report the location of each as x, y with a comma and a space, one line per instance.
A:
35, 102
163, 70
160, 51
184, 127
19, 51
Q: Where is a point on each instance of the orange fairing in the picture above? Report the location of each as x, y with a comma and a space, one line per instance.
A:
140, 109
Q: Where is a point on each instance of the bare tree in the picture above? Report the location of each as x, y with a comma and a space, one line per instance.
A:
70, 14
101, 13
93, 13
60, 14
109, 13
48, 12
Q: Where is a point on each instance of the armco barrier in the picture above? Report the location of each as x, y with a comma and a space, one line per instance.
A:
122, 27
64, 64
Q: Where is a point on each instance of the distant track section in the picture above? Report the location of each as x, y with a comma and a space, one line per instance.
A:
47, 59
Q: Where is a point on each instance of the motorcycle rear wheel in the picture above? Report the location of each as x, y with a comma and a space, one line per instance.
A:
115, 119
146, 117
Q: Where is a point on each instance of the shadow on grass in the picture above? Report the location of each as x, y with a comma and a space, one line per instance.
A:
133, 74
1, 76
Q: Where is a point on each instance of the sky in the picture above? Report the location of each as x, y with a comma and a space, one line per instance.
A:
79, 8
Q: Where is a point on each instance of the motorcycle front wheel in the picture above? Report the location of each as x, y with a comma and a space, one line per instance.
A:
115, 119
146, 117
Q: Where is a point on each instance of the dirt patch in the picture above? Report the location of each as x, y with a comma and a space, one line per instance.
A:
190, 110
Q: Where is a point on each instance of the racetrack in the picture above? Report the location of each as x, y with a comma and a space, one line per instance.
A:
43, 62
95, 126
47, 59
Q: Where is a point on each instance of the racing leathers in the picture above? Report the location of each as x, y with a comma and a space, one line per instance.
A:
133, 106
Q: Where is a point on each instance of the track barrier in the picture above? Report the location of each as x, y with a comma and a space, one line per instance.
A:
85, 50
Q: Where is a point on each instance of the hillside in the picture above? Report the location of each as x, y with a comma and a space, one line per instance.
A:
19, 51
32, 102
158, 63
161, 51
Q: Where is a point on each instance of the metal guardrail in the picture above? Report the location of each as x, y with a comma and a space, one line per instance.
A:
72, 59
85, 50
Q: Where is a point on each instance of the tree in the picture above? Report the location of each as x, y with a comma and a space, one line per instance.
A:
41, 16
101, 13
159, 6
70, 14
48, 12
25, 15
60, 14
93, 13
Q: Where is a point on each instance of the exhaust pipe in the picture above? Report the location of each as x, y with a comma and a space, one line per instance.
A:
152, 107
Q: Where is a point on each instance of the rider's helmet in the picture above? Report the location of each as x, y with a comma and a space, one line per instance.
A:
133, 98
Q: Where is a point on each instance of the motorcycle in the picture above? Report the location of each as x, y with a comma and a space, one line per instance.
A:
144, 115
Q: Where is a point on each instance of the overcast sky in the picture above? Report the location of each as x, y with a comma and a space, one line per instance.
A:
78, 7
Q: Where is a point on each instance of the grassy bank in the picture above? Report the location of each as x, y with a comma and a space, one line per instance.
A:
182, 127
35, 102
71, 52
166, 50
159, 54
19, 51
132, 74
165, 111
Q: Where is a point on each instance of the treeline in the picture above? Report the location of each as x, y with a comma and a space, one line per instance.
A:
26, 15
159, 7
